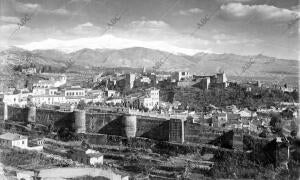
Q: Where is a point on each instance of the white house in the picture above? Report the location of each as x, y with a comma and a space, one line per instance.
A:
14, 140
48, 99
75, 91
38, 91
150, 99
111, 93
11, 99
89, 156
15, 99
247, 113
153, 93
114, 101
148, 102
179, 76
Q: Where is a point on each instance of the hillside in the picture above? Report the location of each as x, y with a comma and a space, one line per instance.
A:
138, 57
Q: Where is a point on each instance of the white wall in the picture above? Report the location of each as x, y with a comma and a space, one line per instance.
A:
96, 160
22, 143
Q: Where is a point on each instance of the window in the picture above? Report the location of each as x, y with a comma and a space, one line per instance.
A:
22, 142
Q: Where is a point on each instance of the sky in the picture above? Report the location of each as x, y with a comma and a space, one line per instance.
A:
245, 27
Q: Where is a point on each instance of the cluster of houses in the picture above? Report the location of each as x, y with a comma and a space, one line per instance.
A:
55, 92
51, 92
233, 118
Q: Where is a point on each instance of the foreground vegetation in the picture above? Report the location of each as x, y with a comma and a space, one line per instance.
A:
25, 159
197, 99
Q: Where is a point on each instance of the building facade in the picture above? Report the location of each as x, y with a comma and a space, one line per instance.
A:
151, 99
14, 140
180, 76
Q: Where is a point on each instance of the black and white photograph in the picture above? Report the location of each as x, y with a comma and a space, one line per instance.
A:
149, 90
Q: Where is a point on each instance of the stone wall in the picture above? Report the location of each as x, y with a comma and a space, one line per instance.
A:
197, 133
153, 128
176, 131
103, 123
16, 114
267, 150
45, 117
110, 123
55, 119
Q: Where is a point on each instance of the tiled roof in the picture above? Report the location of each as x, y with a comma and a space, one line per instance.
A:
12, 136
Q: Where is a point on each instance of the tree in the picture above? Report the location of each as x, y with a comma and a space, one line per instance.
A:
263, 134
49, 69
90, 103
294, 129
276, 123
81, 105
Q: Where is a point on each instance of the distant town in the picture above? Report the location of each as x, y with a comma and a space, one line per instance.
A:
146, 124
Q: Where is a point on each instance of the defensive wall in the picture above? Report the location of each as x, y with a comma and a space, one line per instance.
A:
188, 132
112, 123
119, 124
267, 150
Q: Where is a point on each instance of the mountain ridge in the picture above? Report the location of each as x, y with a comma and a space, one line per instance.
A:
138, 57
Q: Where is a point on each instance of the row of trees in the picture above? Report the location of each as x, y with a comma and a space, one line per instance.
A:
40, 68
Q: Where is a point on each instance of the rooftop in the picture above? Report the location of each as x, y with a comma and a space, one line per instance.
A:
74, 89
12, 136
